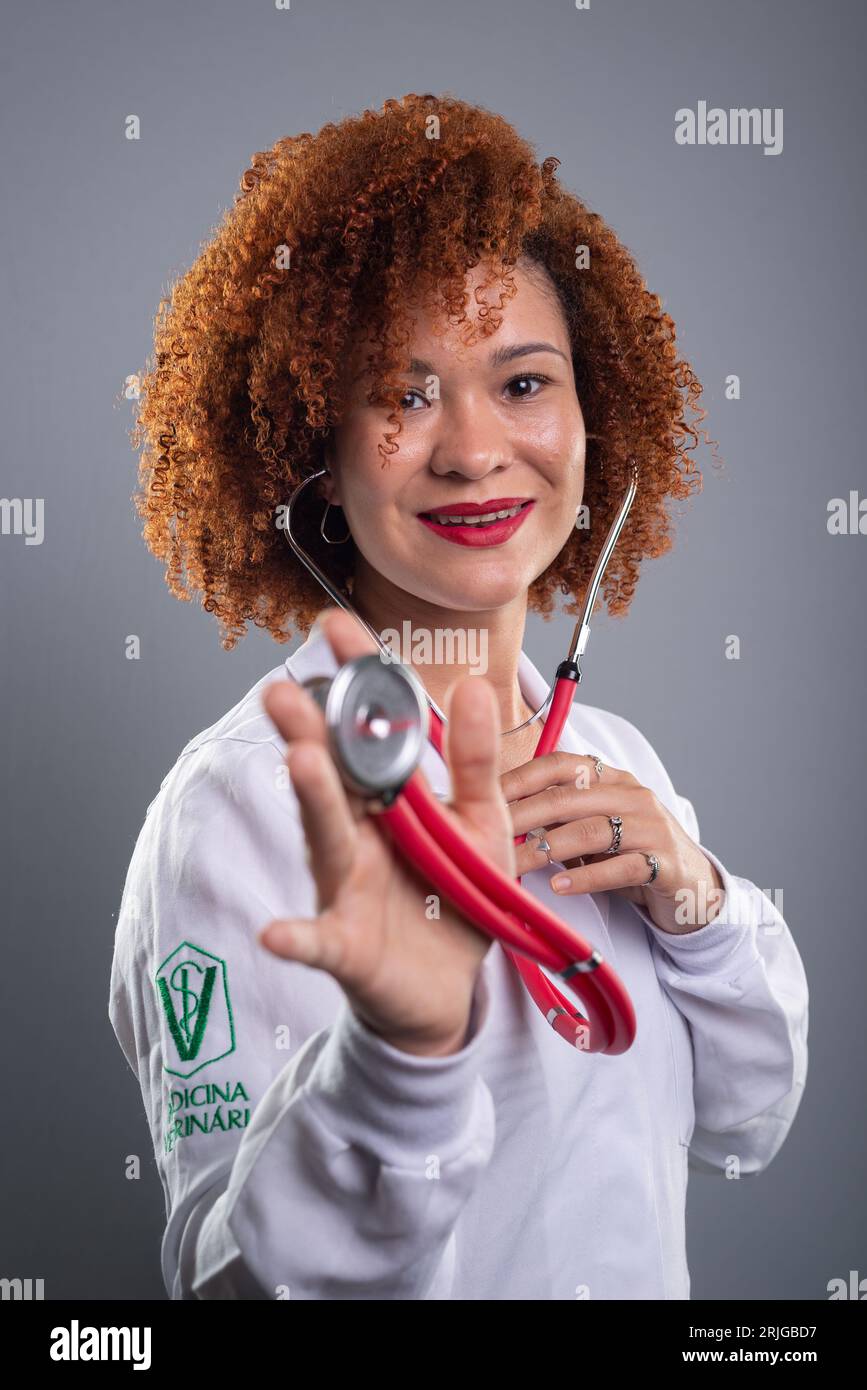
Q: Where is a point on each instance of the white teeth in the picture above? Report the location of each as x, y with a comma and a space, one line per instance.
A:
483, 520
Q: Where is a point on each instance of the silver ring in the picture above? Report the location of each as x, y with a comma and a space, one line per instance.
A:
598, 764
654, 867
617, 827
541, 834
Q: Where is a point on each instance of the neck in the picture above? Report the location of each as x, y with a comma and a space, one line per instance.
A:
442, 644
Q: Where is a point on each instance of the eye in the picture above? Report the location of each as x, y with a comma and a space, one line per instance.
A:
414, 393
527, 376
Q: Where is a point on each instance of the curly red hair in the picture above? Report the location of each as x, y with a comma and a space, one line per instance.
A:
245, 382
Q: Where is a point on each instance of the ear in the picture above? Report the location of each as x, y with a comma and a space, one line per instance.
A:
327, 486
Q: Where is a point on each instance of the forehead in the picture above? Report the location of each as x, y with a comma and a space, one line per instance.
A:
535, 312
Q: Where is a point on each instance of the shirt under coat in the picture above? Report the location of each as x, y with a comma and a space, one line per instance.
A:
517, 1168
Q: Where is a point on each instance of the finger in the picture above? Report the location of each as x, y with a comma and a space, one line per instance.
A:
472, 746
555, 769
559, 805
317, 943
297, 715
551, 807
345, 634
294, 712
617, 871
329, 825
589, 835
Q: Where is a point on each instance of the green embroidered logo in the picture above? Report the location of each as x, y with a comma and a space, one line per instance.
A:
193, 989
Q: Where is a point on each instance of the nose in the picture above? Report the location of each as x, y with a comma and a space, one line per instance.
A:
470, 440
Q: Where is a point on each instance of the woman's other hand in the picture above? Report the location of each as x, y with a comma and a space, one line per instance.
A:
561, 792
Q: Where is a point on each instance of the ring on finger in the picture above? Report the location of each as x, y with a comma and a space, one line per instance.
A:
654, 867
616, 824
541, 834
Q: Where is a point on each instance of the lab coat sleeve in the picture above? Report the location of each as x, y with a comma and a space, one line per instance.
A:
349, 1161
740, 984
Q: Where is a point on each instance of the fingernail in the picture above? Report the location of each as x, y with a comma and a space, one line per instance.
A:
560, 881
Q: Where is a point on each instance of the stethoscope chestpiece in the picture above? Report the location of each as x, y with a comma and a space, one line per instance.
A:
377, 717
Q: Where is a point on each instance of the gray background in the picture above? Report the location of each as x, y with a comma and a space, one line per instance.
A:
760, 261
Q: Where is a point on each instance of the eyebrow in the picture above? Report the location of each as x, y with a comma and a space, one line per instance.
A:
498, 358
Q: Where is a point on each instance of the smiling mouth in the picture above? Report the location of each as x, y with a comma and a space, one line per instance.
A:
486, 519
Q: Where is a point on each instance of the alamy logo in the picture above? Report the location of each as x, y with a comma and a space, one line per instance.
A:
739, 126
23, 516
856, 1287
193, 990
75, 1343
24, 1289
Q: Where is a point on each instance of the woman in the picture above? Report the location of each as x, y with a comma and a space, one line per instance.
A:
351, 1094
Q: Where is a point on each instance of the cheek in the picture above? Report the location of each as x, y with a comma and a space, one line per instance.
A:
359, 468
557, 451
369, 491
562, 439
372, 485
556, 437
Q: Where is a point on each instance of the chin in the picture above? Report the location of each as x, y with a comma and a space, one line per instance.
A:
481, 599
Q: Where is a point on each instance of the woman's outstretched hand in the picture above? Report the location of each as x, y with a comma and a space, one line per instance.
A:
408, 975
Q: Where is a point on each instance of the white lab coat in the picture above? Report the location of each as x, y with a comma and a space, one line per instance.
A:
328, 1164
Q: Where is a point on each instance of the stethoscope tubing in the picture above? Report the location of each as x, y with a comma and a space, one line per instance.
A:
426, 835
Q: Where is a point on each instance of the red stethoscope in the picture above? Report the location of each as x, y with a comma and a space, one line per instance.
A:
378, 717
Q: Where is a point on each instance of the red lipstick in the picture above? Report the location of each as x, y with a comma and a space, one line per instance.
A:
485, 534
